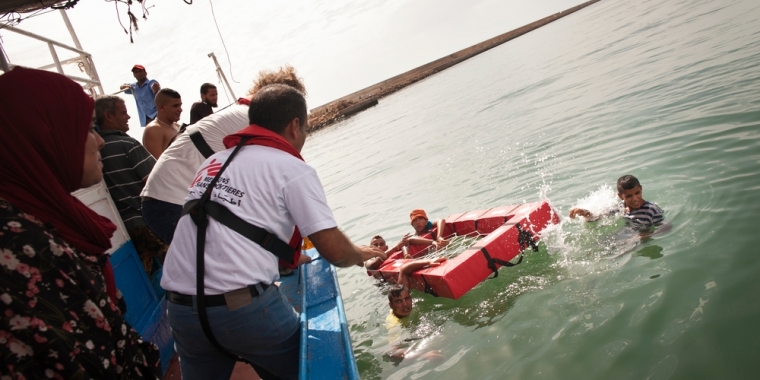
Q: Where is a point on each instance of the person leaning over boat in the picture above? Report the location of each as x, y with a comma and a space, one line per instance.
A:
268, 185
639, 213
126, 165
209, 96
160, 132
166, 188
144, 91
57, 290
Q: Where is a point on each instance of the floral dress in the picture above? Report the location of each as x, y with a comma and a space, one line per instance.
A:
57, 322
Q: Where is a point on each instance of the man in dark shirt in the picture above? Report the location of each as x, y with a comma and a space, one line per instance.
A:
203, 108
126, 165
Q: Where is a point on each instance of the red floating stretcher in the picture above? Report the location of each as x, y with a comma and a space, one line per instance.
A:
508, 231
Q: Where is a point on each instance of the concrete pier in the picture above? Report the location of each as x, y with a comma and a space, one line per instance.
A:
356, 102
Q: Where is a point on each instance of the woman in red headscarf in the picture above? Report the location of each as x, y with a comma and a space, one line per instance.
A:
57, 292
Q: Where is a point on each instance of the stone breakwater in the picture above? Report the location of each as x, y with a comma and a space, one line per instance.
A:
358, 101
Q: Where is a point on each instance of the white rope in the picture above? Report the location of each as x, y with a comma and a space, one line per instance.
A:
222, 38
457, 245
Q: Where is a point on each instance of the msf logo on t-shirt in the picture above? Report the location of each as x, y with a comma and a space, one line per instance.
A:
210, 170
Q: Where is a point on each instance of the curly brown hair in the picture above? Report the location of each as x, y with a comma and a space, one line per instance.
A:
284, 75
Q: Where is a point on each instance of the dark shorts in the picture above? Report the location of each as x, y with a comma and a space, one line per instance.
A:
161, 217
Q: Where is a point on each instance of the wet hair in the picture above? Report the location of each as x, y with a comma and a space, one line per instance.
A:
627, 182
284, 75
275, 106
395, 291
205, 87
376, 237
105, 104
164, 94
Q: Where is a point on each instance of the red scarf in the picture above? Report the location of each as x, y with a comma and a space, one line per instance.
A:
45, 119
261, 136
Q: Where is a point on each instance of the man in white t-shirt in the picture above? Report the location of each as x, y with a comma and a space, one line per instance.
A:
165, 190
266, 184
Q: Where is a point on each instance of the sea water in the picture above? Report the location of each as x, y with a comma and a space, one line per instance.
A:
668, 91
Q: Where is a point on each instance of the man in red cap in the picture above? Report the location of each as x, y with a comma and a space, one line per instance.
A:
144, 91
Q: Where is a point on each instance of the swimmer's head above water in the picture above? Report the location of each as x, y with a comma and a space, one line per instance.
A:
630, 192
400, 300
375, 262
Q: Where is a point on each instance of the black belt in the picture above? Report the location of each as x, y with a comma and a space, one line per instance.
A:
211, 301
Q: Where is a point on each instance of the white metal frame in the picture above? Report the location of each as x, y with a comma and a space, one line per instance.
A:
91, 83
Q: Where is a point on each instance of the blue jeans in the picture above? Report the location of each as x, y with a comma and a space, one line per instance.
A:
161, 217
265, 332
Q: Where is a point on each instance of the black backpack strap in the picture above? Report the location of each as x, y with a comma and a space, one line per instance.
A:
199, 217
182, 129
258, 235
199, 142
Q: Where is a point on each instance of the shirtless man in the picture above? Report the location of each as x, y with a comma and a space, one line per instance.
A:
165, 191
160, 132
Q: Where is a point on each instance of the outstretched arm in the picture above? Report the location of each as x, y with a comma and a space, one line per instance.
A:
407, 269
438, 244
416, 240
440, 224
334, 246
584, 213
441, 242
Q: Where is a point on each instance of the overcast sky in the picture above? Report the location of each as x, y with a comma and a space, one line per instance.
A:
337, 47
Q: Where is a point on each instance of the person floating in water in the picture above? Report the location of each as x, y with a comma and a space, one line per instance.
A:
400, 302
378, 241
639, 213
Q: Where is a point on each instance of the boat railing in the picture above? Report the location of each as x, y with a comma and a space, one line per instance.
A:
83, 59
326, 350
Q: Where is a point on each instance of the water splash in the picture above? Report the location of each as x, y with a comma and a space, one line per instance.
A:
583, 248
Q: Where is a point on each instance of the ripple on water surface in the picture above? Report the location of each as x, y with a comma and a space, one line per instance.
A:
667, 91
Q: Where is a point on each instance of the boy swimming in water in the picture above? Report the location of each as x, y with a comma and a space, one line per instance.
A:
640, 213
